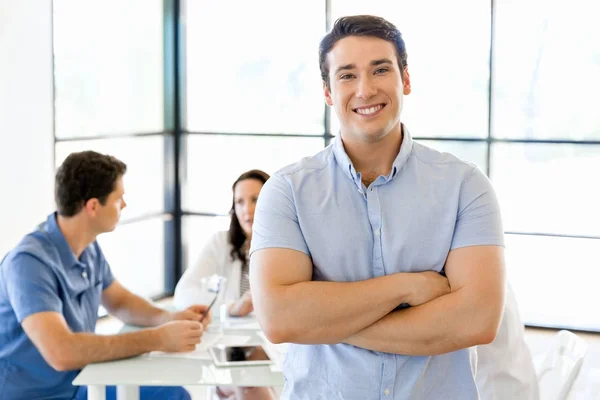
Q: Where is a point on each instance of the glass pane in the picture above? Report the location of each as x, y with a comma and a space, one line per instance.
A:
108, 58
144, 186
136, 256
547, 70
448, 45
474, 152
197, 231
548, 188
258, 74
214, 163
555, 280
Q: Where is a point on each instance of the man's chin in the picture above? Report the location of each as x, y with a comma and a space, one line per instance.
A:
110, 229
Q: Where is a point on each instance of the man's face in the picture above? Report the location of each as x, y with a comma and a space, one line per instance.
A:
366, 88
108, 215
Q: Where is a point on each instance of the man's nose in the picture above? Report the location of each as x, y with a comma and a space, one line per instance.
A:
366, 89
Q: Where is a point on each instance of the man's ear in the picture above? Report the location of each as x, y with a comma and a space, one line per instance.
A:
406, 81
327, 94
91, 206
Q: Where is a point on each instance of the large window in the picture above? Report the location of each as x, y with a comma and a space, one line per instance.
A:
108, 80
545, 155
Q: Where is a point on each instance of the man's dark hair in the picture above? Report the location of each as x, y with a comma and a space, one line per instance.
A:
83, 176
361, 25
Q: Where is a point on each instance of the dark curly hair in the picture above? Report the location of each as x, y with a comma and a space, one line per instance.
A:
361, 25
237, 236
83, 176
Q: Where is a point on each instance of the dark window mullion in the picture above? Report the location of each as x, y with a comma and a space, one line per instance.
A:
284, 135
112, 136
556, 235
174, 155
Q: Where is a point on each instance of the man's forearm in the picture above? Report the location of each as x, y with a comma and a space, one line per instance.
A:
449, 323
328, 312
135, 310
82, 349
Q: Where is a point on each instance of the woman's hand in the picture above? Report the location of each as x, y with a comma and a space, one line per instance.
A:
243, 306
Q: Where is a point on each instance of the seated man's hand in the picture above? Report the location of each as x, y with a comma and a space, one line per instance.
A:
179, 336
243, 306
192, 313
429, 285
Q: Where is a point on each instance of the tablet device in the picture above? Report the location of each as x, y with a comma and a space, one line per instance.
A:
246, 355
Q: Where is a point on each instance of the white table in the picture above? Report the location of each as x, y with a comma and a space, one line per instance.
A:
172, 370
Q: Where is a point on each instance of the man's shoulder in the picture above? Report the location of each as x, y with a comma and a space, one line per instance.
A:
447, 162
35, 244
307, 165
33, 257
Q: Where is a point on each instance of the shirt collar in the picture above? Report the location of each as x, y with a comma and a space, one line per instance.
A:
58, 239
346, 164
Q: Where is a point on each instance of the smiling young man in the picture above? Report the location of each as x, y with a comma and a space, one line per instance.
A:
345, 241
53, 281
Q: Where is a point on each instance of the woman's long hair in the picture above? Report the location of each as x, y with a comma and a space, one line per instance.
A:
237, 236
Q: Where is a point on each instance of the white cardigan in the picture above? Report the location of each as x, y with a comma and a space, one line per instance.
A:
505, 367
215, 258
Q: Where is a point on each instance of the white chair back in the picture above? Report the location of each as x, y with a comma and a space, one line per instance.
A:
560, 365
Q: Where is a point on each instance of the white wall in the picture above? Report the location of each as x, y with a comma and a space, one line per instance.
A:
26, 117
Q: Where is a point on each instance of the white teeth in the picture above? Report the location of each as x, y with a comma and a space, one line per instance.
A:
370, 110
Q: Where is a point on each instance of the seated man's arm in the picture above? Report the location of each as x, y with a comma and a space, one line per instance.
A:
291, 307
33, 292
64, 350
468, 316
471, 313
133, 309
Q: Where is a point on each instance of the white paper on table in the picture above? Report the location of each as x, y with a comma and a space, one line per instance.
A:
209, 339
202, 354
233, 340
243, 323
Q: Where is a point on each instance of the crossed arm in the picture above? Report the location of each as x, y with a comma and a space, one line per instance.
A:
292, 308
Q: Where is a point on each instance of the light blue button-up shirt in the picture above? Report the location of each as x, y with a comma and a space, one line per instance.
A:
408, 221
42, 274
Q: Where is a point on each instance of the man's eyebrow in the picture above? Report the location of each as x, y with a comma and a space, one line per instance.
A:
381, 61
345, 67
353, 66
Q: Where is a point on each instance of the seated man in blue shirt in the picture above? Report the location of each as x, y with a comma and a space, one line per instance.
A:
343, 238
53, 281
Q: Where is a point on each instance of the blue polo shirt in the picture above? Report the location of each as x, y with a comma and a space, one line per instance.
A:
42, 274
407, 221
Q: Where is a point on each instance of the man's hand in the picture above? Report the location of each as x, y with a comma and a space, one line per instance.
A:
179, 336
429, 285
192, 313
243, 306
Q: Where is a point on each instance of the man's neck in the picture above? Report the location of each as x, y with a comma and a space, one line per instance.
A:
373, 159
76, 232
